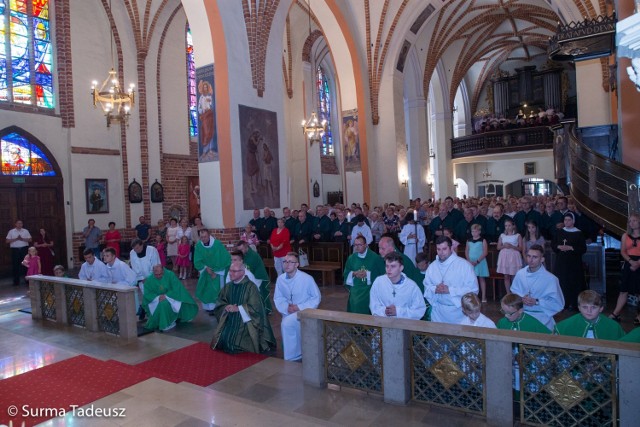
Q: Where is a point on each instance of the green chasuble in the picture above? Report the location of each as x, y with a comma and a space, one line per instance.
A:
216, 257
359, 292
603, 327
525, 323
255, 265
233, 334
163, 316
633, 336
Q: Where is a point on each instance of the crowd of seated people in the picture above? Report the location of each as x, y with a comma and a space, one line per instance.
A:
491, 122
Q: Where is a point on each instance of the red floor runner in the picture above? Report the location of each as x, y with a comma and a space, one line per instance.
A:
49, 390
198, 364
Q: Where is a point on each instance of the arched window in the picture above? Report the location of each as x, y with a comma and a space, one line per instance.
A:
26, 53
191, 86
21, 157
324, 111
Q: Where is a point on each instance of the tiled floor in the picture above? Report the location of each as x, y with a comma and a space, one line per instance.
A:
268, 393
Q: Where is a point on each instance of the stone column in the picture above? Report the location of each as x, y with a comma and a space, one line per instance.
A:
313, 357
499, 383
396, 369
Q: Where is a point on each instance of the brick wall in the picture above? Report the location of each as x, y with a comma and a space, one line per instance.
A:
227, 236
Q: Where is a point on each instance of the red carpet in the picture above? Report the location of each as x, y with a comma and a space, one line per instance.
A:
50, 391
198, 364
75, 381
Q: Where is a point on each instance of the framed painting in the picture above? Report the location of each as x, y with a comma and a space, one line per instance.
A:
97, 194
135, 192
530, 168
157, 192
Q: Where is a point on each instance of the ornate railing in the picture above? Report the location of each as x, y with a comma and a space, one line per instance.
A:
521, 139
606, 190
561, 381
95, 306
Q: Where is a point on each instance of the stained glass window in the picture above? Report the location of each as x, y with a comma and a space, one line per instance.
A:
25, 53
191, 86
21, 157
324, 111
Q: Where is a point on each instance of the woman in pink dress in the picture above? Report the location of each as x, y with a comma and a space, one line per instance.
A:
112, 238
162, 249
44, 245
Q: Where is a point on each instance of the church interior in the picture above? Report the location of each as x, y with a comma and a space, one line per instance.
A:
113, 110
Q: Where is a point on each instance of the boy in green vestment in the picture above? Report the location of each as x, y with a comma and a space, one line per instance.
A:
166, 301
633, 336
212, 260
516, 319
362, 267
590, 322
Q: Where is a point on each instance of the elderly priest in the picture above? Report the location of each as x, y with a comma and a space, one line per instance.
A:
166, 300
242, 321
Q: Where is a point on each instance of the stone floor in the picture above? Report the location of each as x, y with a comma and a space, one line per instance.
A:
268, 393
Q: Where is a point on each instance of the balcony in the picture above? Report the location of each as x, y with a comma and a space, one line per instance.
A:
502, 141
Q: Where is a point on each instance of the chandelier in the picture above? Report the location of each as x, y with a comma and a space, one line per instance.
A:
312, 127
116, 104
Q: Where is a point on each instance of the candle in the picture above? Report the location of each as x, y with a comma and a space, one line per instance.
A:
349, 217
415, 215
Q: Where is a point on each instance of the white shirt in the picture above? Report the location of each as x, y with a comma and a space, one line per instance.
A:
544, 287
300, 290
405, 295
482, 322
121, 274
96, 272
143, 267
364, 230
458, 274
14, 233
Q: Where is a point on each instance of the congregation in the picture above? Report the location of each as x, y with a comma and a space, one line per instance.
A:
387, 273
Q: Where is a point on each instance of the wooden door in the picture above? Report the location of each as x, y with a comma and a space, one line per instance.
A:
37, 205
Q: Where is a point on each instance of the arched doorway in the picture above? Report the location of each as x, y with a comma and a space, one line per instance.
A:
30, 190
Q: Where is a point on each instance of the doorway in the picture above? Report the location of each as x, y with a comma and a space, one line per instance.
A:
30, 190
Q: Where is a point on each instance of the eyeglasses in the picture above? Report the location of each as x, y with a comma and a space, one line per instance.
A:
236, 271
507, 314
359, 244
289, 262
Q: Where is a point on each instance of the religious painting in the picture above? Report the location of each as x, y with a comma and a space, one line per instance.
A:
530, 168
193, 191
97, 194
207, 132
351, 141
260, 160
157, 192
135, 192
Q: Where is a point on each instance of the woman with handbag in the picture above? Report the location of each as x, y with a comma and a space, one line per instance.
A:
280, 245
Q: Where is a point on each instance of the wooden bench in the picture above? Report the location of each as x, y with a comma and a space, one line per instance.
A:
98, 307
328, 269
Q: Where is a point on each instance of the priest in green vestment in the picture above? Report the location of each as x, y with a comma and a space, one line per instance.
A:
166, 301
590, 322
212, 260
254, 263
242, 321
362, 268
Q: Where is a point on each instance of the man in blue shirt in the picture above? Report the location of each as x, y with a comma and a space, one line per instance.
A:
142, 230
92, 235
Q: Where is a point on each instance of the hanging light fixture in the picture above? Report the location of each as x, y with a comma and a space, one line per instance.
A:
115, 103
312, 127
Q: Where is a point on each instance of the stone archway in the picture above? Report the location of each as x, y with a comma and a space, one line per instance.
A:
31, 190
